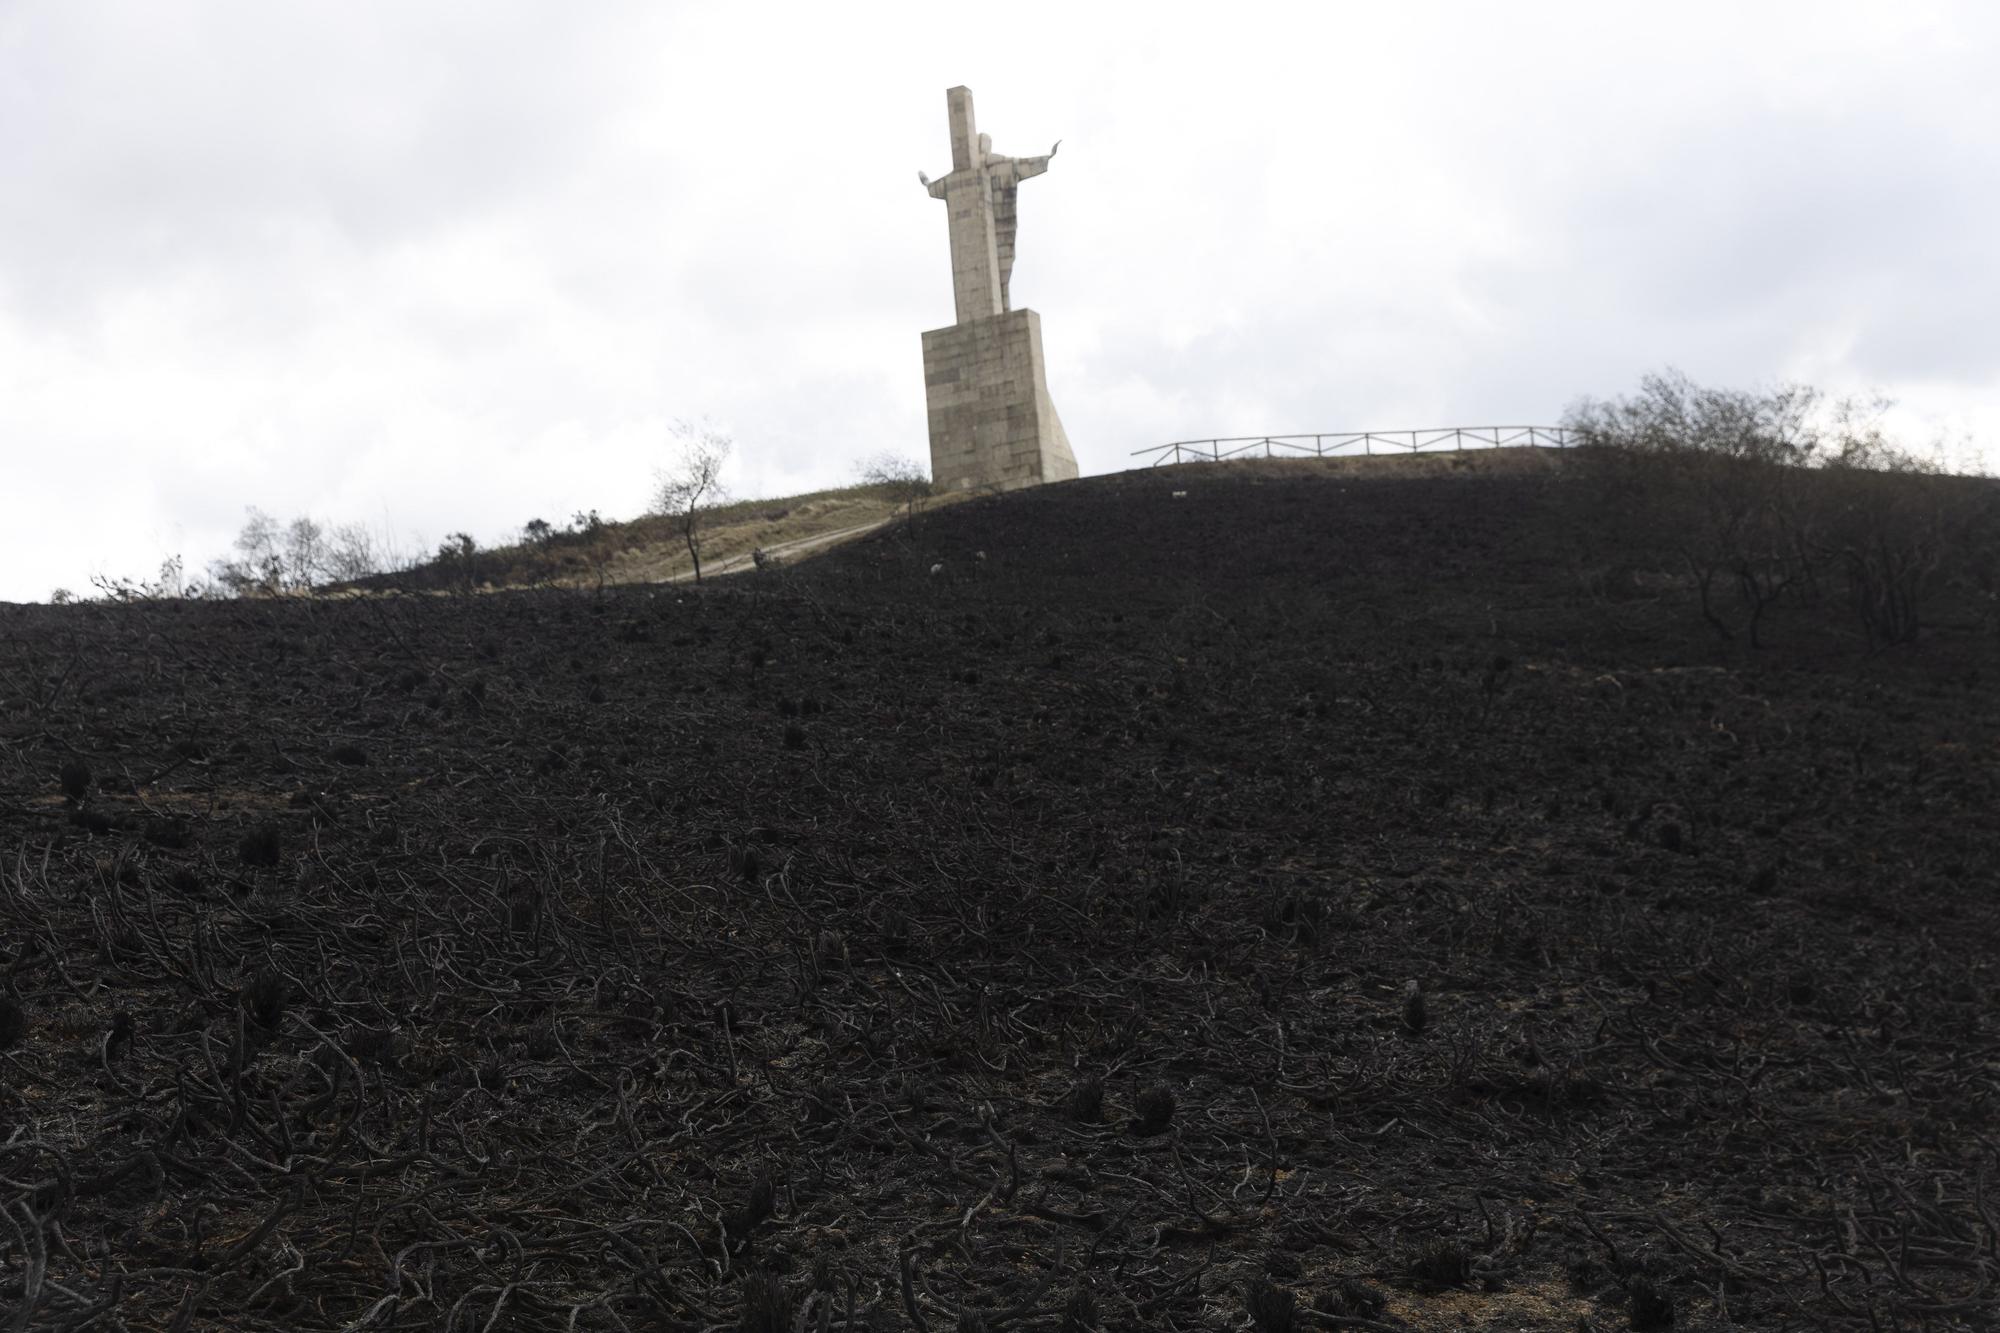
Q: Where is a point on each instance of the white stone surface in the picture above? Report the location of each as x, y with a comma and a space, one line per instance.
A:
992, 422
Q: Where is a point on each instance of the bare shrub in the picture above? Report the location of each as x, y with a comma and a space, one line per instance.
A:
902, 480
1714, 473
352, 553
169, 583
1776, 497
1898, 529
276, 559
458, 560
259, 566
305, 552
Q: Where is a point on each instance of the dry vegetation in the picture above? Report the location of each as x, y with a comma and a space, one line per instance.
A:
591, 552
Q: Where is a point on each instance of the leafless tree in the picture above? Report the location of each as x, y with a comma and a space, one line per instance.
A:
1774, 494
305, 553
1896, 526
1727, 463
902, 480
351, 553
458, 558
258, 543
274, 558
692, 484
259, 565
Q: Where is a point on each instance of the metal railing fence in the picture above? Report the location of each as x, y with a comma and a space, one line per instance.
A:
1354, 444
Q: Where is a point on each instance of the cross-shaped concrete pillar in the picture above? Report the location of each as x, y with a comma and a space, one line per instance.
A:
979, 199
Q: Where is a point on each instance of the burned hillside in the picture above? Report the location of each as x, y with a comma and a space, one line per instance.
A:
1299, 896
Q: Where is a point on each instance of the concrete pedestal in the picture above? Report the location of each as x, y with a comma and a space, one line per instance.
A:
992, 422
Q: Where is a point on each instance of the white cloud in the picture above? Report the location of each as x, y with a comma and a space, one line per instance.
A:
457, 265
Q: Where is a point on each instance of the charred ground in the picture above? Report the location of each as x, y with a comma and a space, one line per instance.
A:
1026, 945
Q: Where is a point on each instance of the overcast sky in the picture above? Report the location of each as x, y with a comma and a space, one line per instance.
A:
441, 266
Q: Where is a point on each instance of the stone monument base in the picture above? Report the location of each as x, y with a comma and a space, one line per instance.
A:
992, 422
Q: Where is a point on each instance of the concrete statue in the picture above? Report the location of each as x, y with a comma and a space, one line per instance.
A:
992, 423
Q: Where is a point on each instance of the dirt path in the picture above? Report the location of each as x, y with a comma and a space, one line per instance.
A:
785, 552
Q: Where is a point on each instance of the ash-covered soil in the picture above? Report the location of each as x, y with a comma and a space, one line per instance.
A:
1296, 903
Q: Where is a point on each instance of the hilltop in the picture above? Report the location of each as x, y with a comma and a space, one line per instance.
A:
1319, 896
649, 549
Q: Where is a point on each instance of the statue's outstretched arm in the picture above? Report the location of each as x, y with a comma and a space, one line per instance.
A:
934, 188
1025, 167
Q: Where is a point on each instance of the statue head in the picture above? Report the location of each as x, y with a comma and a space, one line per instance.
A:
985, 145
